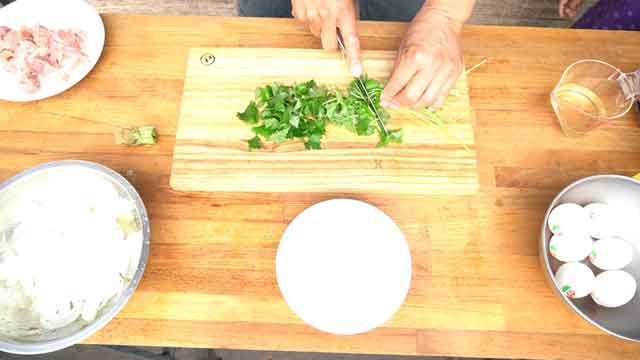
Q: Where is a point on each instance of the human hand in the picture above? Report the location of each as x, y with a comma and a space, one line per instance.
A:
429, 62
569, 8
324, 17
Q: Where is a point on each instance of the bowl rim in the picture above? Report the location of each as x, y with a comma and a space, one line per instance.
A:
48, 346
544, 253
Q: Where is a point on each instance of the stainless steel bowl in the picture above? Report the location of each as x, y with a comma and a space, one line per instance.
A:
76, 333
622, 192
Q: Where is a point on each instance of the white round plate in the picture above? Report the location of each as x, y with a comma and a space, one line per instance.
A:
58, 14
343, 266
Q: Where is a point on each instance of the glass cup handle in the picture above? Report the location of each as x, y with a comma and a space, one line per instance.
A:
630, 84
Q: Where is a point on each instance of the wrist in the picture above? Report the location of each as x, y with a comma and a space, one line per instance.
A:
438, 17
458, 11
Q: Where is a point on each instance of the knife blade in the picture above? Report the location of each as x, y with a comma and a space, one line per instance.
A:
363, 87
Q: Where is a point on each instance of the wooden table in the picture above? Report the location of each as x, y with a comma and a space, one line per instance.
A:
477, 288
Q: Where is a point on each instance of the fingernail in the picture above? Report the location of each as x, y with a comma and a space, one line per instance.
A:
384, 102
394, 106
356, 70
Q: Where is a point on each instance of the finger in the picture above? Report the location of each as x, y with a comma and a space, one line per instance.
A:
575, 4
400, 77
323, 13
314, 22
439, 88
329, 36
414, 90
561, 7
299, 12
447, 89
315, 28
439, 103
444, 79
347, 24
408, 64
573, 7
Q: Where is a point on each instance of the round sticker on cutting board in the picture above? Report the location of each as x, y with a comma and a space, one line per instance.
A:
343, 266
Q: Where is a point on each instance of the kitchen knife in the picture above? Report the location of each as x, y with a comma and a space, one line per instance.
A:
363, 87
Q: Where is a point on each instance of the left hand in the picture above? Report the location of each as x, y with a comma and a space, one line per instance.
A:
429, 62
569, 8
324, 17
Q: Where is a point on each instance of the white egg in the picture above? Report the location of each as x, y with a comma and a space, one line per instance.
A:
613, 288
624, 224
570, 247
600, 220
575, 280
567, 218
611, 254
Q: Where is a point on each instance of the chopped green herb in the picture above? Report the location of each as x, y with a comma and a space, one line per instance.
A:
313, 143
255, 143
394, 136
302, 111
272, 124
250, 114
280, 135
294, 120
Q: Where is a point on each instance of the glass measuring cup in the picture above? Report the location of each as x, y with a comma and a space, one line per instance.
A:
592, 93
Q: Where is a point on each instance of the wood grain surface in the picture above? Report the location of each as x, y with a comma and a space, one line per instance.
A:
211, 152
477, 288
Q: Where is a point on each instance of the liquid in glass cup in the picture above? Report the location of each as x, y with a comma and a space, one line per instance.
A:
592, 93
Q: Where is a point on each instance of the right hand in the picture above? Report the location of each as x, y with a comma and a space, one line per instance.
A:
569, 8
324, 17
429, 61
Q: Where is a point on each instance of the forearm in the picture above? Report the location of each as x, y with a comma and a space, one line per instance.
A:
458, 10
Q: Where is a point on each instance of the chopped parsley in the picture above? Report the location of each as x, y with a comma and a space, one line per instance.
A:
303, 111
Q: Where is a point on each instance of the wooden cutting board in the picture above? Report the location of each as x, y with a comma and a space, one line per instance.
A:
211, 152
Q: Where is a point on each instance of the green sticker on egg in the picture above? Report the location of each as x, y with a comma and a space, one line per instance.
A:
553, 248
566, 288
555, 228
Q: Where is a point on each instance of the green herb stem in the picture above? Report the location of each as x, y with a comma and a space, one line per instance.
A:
145, 135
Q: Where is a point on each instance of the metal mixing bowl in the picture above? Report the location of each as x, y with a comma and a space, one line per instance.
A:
77, 331
623, 193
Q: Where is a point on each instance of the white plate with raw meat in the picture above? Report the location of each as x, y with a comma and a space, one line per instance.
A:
46, 47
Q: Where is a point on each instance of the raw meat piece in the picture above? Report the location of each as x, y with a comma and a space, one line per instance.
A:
3, 31
30, 81
33, 53
41, 36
